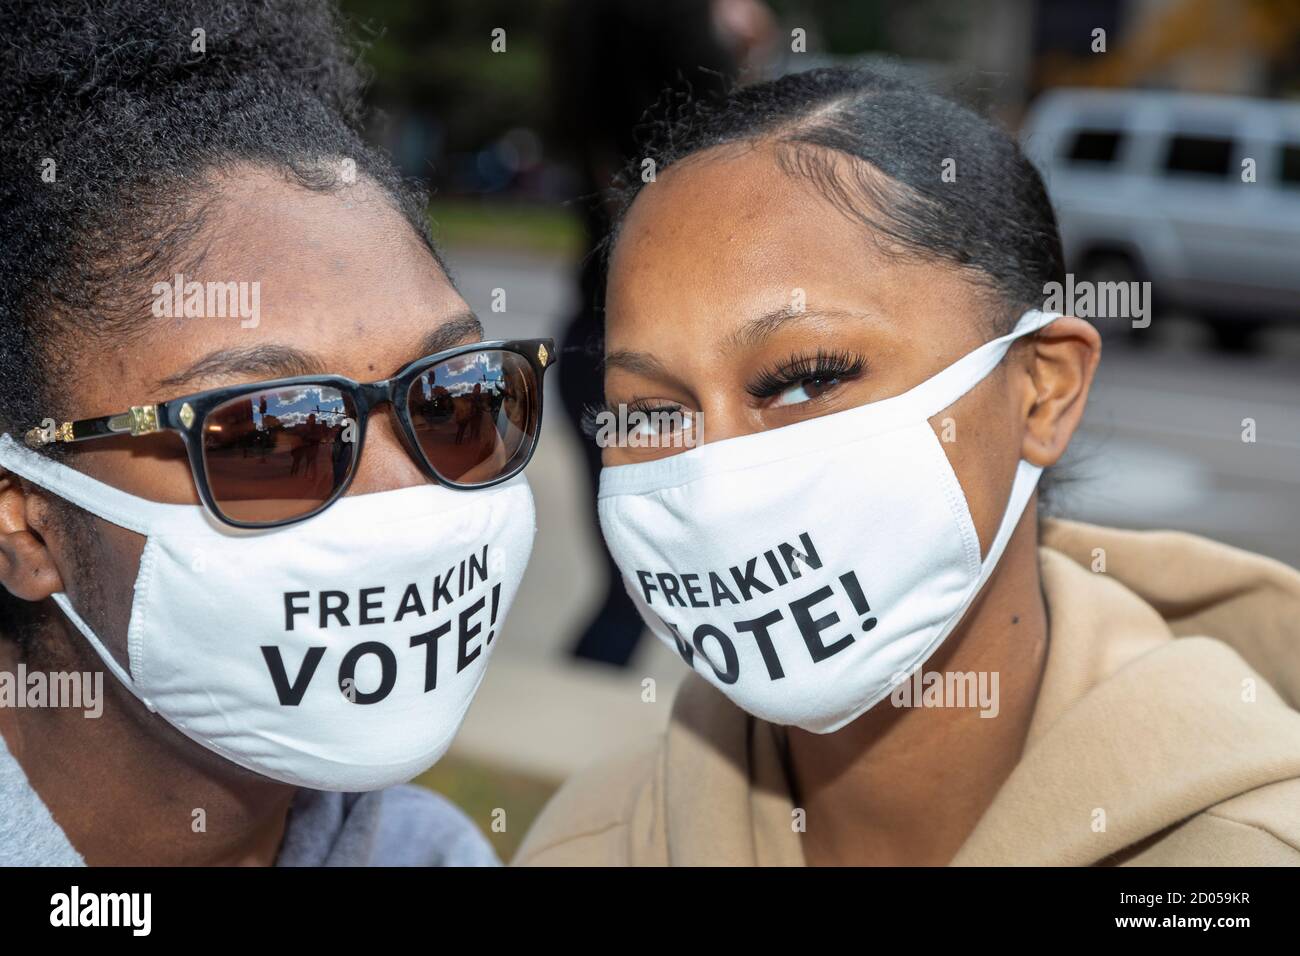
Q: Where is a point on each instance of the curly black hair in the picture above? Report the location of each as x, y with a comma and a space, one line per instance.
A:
113, 119
112, 97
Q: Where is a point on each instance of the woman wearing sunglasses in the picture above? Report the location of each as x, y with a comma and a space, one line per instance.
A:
290, 534
894, 661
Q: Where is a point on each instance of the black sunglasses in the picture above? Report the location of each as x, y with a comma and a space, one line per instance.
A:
274, 453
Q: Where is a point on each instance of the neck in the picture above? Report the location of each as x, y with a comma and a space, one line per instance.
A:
906, 784
128, 789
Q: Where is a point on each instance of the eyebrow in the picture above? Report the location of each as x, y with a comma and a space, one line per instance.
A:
639, 363
752, 333
284, 361
758, 330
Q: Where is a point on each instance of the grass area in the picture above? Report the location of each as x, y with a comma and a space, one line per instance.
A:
512, 227
483, 791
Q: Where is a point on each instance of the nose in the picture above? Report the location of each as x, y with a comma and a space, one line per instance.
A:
385, 461
723, 417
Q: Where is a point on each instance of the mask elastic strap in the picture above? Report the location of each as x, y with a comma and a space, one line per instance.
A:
1022, 489
969, 372
109, 660
939, 391
112, 504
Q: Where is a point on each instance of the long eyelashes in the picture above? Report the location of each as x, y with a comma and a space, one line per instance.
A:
593, 411
588, 422
822, 366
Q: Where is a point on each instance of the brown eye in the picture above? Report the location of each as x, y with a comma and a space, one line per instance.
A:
805, 391
805, 378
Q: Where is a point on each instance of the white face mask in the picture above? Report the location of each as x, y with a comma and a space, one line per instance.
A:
806, 571
338, 653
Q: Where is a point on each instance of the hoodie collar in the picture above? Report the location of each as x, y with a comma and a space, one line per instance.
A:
1134, 731
726, 794
1138, 725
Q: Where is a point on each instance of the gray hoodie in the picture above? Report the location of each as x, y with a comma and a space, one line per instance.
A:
400, 826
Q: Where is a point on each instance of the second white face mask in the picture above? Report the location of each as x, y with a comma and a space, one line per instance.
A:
339, 653
806, 571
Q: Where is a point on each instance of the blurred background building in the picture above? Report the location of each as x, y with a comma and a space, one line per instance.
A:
1119, 101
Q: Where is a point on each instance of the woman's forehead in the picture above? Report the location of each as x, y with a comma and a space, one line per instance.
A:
734, 235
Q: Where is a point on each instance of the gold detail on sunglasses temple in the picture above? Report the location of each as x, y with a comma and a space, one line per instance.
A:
187, 415
38, 436
542, 354
140, 420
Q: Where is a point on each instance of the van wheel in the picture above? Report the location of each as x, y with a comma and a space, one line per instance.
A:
1102, 267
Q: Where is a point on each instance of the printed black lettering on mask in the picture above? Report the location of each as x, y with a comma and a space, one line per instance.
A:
291, 694
729, 672
429, 640
811, 628
387, 672
336, 608
794, 628
759, 628
332, 610
785, 564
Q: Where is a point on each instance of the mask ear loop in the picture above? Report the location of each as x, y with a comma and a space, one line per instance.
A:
118, 671
1022, 489
926, 399
104, 501
1027, 474
938, 392
934, 395
952, 383
944, 388
119, 507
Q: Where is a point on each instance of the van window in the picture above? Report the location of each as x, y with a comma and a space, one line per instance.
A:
1094, 146
1200, 155
1290, 165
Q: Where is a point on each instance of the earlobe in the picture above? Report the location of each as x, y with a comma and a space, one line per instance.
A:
1062, 366
27, 568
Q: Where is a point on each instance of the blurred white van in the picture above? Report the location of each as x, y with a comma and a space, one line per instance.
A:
1199, 195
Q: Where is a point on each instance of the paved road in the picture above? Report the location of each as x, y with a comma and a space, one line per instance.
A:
1162, 442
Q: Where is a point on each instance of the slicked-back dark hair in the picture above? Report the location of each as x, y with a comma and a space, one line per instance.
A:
991, 217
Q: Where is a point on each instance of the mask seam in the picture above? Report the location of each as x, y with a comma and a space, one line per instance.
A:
475, 501
45, 472
136, 630
959, 506
250, 764
944, 632
1008, 341
953, 494
736, 469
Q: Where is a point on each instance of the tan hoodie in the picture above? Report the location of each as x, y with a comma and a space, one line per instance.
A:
1170, 700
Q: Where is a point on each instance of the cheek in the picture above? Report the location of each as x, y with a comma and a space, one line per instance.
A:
983, 447
100, 578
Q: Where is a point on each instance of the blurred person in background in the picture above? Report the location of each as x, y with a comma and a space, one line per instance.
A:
615, 60
895, 661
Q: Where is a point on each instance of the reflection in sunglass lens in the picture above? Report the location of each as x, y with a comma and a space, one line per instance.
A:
279, 454
475, 416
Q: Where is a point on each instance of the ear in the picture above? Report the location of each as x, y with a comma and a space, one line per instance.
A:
27, 567
1062, 362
